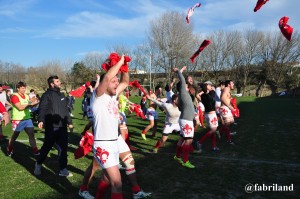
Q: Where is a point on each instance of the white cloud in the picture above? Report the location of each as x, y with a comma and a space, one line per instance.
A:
13, 7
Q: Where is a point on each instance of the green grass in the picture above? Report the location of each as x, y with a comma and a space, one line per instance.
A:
266, 151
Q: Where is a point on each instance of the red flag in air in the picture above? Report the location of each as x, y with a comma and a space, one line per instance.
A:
203, 45
138, 111
236, 112
79, 91
286, 29
136, 84
259, 4
85, 145
191, 12
113, 59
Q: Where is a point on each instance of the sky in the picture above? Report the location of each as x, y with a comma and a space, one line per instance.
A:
33, 32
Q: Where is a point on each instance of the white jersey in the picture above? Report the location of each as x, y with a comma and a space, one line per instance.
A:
172, 113
3, 98
106, 117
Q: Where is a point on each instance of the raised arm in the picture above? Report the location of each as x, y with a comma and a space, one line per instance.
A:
111, 73
123, 82
154, 100
181, 78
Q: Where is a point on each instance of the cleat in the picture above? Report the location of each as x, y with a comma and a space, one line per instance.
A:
178, 159
188, 165
143, 136
141, 194
198, 148
37, 169
233, 133
10, 151
85, 194
65, 173
215, 149
231, 142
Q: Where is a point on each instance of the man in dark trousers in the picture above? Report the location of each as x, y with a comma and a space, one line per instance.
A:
55, 118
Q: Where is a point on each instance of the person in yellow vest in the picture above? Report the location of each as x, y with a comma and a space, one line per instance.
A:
21, 119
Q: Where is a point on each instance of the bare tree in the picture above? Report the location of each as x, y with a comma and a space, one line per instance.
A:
37, 76
94, 60
244, 56
219, 50
278, 57
170, 38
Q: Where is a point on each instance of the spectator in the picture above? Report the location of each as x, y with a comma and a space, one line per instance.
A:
54, 117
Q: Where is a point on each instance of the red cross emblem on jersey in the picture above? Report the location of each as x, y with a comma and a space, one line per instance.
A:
102, 155
224, 111
187, 129
214, 121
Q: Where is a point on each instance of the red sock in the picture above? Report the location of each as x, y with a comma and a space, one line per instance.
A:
185, 152
158, 144
222, 129
144, 132
116, 196
83, 188
102, 189
207, 135
227, 132
214, 140
35, 150
135, 189
178, 151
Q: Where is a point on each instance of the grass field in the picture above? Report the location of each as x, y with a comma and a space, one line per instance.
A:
267, 151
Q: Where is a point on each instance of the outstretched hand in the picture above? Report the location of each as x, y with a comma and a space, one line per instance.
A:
175, 70
183, 69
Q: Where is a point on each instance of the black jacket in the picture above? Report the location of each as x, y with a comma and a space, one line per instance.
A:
53, 109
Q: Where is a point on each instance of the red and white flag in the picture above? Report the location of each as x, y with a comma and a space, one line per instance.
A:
191, 12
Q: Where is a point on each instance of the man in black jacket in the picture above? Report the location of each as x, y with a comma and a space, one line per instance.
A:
54, 117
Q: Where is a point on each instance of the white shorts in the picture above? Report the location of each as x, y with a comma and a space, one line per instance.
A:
107, 152
152, 114
226, 115
211, 119
186, 128
169, 128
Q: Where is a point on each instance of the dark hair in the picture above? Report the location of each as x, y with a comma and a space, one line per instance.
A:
174, 97
221, 83
102, 77
167, 87
93, 83
204, 87
227, 82
31, 90
51, 79
178, 85
20, 84
0, 85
